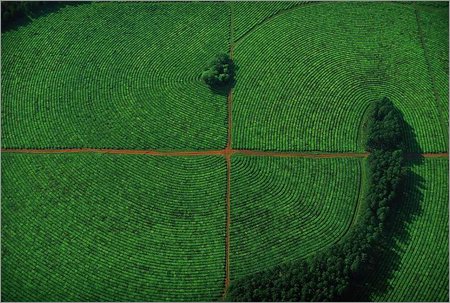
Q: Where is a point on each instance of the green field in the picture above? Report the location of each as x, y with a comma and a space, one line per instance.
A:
313, 85
127, 76
284, 209
420, 239
248, 15
114, 76
112, 228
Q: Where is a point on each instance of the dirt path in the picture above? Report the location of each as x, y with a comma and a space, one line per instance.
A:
300, 154
228, 152
115, 151
280, 12
428, 155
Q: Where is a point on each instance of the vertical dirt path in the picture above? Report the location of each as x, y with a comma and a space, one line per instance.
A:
228, 152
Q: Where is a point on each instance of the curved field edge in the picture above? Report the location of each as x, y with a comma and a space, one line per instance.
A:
335, 82
283, 209
116, 75
92, 227
433, 30
416, 264
249, 15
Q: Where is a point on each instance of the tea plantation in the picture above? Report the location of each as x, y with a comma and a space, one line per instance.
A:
112, 228
112, 75
286, 209
322, 70
128, 177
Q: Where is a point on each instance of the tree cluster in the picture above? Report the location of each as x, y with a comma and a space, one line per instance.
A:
326, 276
219, 72
12, 10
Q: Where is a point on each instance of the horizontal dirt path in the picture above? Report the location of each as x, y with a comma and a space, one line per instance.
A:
300, 154
116, 151
222, 152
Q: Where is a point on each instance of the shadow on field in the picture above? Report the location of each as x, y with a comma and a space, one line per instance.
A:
42, 9
224, 89
386, 257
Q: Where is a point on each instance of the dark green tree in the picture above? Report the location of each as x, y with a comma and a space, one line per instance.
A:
328, 275
220, 71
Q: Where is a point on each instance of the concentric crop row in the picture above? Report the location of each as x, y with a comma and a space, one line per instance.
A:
106, 78
247, 15
112, 228
288, 208
307, 88
420, 233
434, 25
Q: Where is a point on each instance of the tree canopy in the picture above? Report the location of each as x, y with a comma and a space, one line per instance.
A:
328, 275
219, 72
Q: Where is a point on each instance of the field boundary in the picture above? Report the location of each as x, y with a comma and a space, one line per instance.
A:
431, 75
227, 152
278, 13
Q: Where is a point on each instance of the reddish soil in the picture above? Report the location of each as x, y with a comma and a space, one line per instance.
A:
300, 154
116, 151
429, 155
227, 152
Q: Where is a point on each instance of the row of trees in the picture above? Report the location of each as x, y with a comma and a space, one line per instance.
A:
326, 276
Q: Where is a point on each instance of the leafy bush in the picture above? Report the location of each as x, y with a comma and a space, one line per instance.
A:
11, 10
383, 127
327, 275
219, 72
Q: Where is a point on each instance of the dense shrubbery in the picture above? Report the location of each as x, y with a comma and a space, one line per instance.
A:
220, 71
11, 10
384, 127
327, 275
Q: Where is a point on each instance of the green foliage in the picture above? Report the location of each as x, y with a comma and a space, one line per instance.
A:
219, 72
326, 276
421, 269
248, 14
434, 24
96, 227
383, 130
288, 208
12, 10
315, 89
123, 80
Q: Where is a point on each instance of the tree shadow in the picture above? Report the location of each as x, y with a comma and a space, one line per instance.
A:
223, 90
386, 257
44, 9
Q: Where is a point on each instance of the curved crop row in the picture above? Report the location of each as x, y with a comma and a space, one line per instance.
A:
247, 15
283, 209
307, 88
434, 25
421, 272
98, 227
115, 75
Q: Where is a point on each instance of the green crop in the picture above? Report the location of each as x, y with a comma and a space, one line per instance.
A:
284, 209
307, 87
98, 227
247, 14
420, 267
115, 75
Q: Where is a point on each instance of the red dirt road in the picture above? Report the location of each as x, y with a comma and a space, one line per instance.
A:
431, 155
116, 151
227, 152
300, 154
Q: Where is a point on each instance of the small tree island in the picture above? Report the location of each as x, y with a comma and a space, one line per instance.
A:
220, 71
